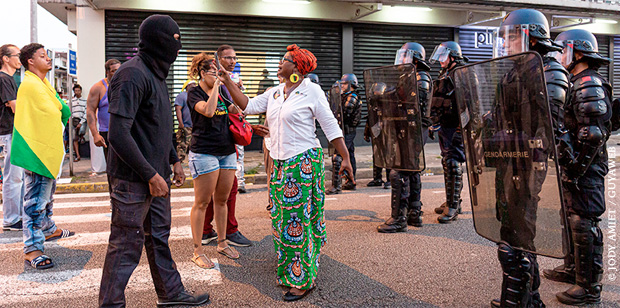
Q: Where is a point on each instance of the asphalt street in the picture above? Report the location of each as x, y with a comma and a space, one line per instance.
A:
433, 266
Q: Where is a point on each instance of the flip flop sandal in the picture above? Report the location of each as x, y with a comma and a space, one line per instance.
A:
39, 262
202, 264
228, 252
63, 234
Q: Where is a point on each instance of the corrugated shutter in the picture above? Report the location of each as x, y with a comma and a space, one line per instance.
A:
376, 45
603, 49
471, 41
259, 43
616, 64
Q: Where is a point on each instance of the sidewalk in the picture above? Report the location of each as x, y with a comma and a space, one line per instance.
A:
83, 182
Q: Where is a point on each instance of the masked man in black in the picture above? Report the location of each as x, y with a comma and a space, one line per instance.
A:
583, 157
444, 113
139, 169
407, 185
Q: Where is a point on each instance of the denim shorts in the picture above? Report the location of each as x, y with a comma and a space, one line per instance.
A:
200, 164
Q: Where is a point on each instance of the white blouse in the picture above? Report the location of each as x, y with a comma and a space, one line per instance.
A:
292, 122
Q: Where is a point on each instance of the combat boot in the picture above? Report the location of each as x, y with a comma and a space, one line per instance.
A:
336, 179
588, 243
454, 184
398, 220
414, 215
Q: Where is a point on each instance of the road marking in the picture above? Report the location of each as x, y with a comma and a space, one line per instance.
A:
36, 285
438, 191
106, 203
330, 199
105, 194
378, 196
86, 239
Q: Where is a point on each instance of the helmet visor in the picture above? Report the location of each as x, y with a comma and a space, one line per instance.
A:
566, 56
511, 40
440, 54
403, 56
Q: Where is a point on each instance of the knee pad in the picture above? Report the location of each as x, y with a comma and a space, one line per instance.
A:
454, 167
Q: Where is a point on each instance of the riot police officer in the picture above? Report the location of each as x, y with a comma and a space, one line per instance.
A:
407, 185
444, 113
351, 114
583, 155
314, 78
520, 31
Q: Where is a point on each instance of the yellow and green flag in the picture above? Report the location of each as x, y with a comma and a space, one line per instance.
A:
40, 119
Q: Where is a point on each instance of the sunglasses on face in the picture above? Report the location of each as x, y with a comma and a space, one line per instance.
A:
287, 60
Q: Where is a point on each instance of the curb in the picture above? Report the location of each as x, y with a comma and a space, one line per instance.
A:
260, 178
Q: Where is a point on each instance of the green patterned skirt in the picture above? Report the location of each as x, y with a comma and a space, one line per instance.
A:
297, 195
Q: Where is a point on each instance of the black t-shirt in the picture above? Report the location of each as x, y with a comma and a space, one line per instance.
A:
136, 93
8, 92
210, 135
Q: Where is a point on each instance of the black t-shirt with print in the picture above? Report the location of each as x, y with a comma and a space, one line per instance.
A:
210, 135
8, 92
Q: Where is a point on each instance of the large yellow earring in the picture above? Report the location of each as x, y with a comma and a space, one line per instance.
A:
294, 78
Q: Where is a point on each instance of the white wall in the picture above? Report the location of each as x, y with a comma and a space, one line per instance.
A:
90, 62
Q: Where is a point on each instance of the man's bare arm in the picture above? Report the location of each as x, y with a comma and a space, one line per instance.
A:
92, 104
179, 113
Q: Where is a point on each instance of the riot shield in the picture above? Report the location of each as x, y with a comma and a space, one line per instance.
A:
335, 103
334, 96
394, 117
511, 160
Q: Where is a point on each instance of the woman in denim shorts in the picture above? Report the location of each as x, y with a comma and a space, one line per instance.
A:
212, 156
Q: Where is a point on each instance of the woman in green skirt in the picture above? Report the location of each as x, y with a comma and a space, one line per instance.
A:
297, 187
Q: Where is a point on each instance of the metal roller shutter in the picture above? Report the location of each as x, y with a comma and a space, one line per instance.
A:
616, 64
376, 45
260, 43
603, 49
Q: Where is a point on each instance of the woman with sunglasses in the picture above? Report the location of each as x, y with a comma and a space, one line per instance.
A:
297, 180
212, 158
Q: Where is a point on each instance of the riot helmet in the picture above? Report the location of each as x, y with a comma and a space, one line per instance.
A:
314, 78
583, 41
348, 82
411, 52
449, 50
515, 31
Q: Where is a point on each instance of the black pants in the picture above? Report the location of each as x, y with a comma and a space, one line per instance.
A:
348, 141
451, 144
138, 219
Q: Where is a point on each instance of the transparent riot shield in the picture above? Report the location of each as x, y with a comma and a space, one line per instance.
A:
334, 96
394, 117
335, 103
511, 160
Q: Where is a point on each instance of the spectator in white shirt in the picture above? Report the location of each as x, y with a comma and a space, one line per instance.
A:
297, 185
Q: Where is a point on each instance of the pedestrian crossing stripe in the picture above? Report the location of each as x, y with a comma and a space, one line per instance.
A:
32, 283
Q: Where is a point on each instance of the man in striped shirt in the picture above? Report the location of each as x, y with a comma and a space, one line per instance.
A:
78, 111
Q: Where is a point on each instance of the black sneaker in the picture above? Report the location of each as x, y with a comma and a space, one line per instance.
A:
208, 238
387, 185
185, 299
237, 239
241, 190
14, 227
375, 183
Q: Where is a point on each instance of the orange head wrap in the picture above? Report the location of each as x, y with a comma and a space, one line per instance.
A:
304, 60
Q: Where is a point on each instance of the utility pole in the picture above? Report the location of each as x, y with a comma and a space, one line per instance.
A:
33, 21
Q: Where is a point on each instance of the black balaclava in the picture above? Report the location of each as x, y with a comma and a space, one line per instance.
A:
158, 47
